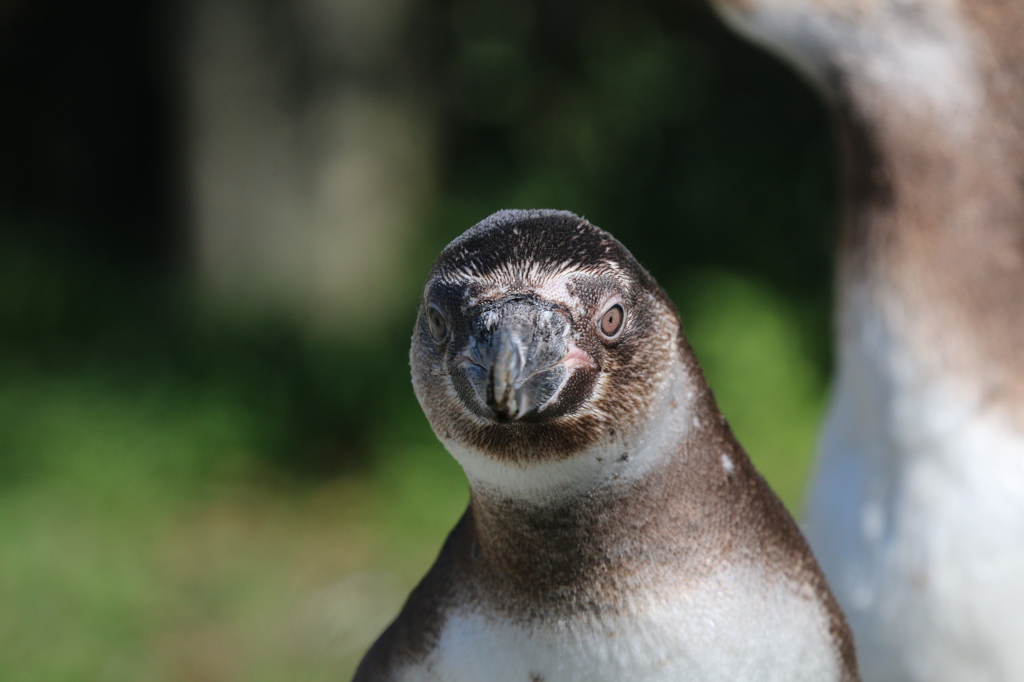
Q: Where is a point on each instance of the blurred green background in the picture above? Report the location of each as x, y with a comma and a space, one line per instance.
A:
215, 217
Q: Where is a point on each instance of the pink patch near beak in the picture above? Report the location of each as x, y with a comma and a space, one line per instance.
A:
577, 357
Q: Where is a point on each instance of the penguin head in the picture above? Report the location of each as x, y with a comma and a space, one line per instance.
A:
540, 337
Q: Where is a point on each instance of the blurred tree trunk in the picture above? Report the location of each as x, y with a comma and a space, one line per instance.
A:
310, 154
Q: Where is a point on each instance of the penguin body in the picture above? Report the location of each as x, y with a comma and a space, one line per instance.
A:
917, 508
616, 529
917, 514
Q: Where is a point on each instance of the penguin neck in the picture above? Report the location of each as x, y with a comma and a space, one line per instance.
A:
664, 494
931, 265
930, 114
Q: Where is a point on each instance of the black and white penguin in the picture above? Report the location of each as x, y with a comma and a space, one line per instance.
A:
616, 529
917, 510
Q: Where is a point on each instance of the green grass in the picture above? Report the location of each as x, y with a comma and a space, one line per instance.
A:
142, 540
147, 534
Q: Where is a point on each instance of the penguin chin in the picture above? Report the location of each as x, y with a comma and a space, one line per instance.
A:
548, 463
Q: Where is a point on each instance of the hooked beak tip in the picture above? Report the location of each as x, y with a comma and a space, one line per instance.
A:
503, 396
507, 403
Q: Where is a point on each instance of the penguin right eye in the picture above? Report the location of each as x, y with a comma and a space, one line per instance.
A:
437, 324
611, 321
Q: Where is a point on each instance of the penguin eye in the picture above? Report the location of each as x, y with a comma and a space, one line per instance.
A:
435, 320
611, 321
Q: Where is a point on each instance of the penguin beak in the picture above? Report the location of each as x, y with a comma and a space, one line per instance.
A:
519, 357
505, 394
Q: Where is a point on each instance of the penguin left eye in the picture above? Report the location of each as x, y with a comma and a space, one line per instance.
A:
611, 321
437, 324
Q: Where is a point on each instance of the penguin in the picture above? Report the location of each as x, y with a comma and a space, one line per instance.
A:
916, 511
616, 529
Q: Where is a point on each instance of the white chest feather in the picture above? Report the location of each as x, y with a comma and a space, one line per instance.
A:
917, 518
733, 629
